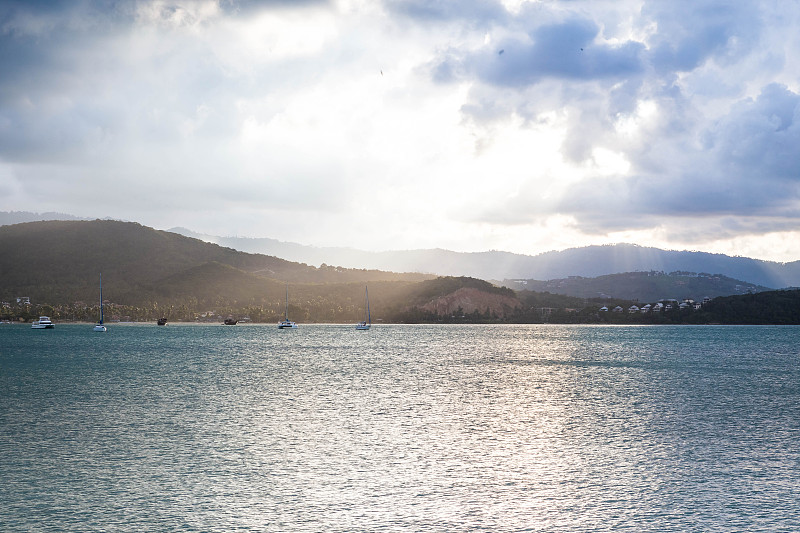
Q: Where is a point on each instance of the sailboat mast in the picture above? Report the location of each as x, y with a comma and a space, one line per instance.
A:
286, 313
101, 298
369, 317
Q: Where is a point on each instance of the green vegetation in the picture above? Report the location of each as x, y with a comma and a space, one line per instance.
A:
148, 274
643, 286
774, 307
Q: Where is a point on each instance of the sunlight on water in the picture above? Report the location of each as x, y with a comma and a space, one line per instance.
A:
474, 428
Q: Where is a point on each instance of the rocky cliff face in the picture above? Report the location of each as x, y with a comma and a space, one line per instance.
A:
469, 300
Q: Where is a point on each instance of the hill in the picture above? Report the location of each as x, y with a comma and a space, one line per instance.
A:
149, 273
764, 308
773, 307
642, 286
60, 262
589, 261
18, 217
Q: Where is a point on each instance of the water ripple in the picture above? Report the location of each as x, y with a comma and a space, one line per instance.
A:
405, 428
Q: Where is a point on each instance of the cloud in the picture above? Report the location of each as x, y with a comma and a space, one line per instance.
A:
499, 119
691, 33
479, 13
718, 154
564, 50
746, 164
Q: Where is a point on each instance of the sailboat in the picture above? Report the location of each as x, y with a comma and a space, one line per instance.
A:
286, 323
367, 317
99, 326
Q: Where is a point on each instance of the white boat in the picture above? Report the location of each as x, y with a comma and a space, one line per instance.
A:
99, 326
44, 322
286, 323
367, 317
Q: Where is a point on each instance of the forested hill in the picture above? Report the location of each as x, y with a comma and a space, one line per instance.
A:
642, 286
588, 261
61, 261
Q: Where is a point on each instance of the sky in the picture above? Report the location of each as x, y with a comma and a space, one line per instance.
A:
469, 125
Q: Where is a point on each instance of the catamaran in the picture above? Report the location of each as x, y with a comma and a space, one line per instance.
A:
100, 326
367, 317
286, 323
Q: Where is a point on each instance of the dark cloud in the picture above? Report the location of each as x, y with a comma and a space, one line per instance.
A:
690, 33
760, 139
747, 164
564, 50
479, 13
246, 7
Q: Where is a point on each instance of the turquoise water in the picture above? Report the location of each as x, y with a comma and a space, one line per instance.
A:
401, 428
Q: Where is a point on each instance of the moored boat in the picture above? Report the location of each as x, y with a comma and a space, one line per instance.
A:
44, 322
100, 326
286, 323
162, 321
367, 322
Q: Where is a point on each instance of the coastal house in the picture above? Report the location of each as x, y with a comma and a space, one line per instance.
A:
633, 309
604, 309
617, 309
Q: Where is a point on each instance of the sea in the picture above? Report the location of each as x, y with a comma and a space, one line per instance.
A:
400, 428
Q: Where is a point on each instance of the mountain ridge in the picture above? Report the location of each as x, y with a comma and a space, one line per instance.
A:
53, 268
62, 260
587, 261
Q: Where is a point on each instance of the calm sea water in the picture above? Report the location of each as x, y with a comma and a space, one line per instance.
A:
402, 428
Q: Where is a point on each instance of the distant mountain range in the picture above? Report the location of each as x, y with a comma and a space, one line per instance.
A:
17, 217
149, 273
590, 261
